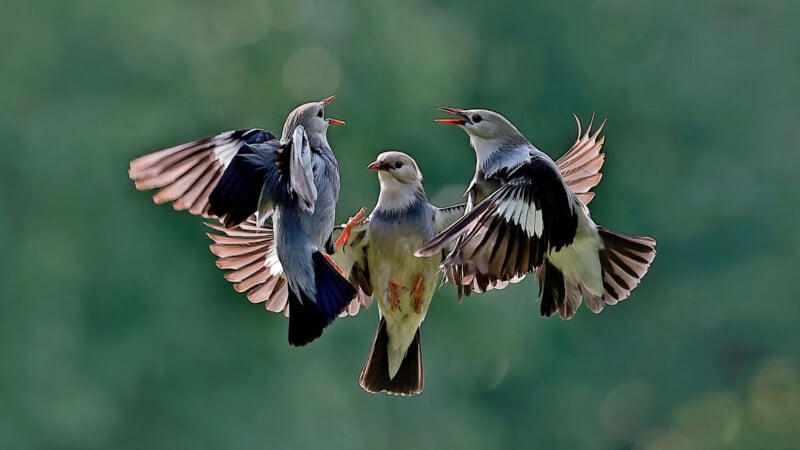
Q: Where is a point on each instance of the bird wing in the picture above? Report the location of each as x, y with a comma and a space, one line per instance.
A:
248, 253
509, 233
581, 165
301, 170
444, 217
220, 176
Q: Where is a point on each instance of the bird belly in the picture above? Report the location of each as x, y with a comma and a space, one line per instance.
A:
580, 261
392, 259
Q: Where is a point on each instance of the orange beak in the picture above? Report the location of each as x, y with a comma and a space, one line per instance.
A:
455, 112
375, 165
332, 121
328, 100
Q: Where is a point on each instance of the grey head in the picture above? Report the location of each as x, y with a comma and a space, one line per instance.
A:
400, 178
487, 130
312, 117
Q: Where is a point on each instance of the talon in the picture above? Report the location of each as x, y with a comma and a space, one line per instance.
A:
394, 298
416, 294
353, 222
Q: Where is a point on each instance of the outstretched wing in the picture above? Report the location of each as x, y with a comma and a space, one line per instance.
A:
220, 176
249, 255
444, 217
509, 233
581, 165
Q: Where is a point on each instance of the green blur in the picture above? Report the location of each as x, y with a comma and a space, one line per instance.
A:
117, 331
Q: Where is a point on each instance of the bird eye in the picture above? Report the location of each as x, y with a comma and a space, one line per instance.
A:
398, 164
319, 114
476, 118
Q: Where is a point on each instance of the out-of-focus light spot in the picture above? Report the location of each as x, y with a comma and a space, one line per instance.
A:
711, 420
625, 408
774, 399
311, 74
243, 23
290, 15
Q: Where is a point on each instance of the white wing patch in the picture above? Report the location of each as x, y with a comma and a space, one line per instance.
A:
523, 214
225, 152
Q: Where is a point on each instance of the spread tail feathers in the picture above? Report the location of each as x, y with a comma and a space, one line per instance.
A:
624, 261
307, 318
375, 375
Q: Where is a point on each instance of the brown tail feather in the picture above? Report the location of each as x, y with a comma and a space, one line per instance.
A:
375, 375
624, 261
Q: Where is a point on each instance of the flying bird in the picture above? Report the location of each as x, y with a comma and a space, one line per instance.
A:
293, 180
522, 216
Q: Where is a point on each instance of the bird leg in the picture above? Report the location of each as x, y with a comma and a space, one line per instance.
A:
353, 222
394, 298
416, 294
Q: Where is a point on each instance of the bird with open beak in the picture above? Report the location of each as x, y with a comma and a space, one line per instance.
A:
293, 180
523, 216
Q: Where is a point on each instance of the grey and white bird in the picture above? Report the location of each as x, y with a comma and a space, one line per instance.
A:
522, 216
382, 262
293, 180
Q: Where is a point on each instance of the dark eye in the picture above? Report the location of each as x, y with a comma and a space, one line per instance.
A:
319, 114
476, 118
398, 164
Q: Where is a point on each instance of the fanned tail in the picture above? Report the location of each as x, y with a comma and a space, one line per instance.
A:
624, 261
375, 375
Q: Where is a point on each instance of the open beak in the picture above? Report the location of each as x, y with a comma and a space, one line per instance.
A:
332, 121
455, 112
328, 100
376, 165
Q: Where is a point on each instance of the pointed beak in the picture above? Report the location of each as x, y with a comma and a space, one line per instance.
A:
328, 100
455, 112
376, 165
332, 121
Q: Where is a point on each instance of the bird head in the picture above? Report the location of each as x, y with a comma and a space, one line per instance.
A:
312, 117
480, 123
487, 130
400, 178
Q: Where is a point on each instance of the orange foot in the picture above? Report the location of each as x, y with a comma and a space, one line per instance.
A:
394, 298
416, 294
333, 263
353, 222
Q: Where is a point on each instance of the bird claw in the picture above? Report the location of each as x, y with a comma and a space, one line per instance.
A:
394, 298
416, 294
353, 222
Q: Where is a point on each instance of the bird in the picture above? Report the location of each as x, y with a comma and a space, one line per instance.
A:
292, 180
382, 262
522, 217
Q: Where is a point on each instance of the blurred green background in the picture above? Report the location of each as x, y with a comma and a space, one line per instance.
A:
117, 330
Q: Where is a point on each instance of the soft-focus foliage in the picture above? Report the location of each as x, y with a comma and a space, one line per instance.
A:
117, 331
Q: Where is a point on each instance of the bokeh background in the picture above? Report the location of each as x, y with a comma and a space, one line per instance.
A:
117, 330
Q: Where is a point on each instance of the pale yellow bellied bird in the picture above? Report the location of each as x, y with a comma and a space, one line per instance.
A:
523, 216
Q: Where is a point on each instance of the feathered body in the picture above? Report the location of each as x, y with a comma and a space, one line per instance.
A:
294, 180
523, 216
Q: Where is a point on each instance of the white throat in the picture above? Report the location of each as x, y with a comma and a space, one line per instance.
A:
394, 195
